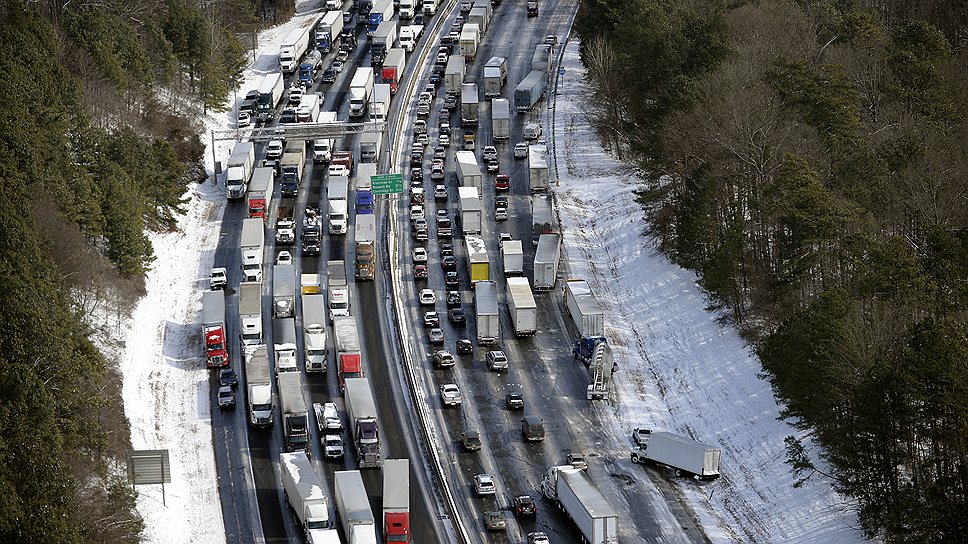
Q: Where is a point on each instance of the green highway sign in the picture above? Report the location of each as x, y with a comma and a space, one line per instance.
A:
387, 184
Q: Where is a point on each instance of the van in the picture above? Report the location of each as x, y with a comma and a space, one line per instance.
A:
533, 428
532, 131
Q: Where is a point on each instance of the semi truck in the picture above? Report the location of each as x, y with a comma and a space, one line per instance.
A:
323, 147
542, 217
314, 332
213, 329
470, 210
239, 171
354, 507
495, 76
541, 59
361, 87
371, 142
430, 7
469, 171
312, 230
283, 290
546, 262
252, 246
339, 295
529, 91
250, 313
293, 48
309, 284
584, 308
486, 309
286, 226
364, 187
687, 457
480, 16
478, 264
522, 307
328, 30
574, 492
259, 195
349, 360
365, 252
454, 73
379, 109
295, 416
309, 67
396, 500
284, 345
364, 425
270, 95
384, 38
292, 169
595, 352
470, 37
393, 66
381, 11
538, 168
258, 386
512, 254
308, 110
409, 36
500, 119
304, 493
470, 104
407, 8
336, 193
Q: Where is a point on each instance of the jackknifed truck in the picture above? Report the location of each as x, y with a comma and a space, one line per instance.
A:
213, 329
574, 492
687, 457
354, 507
584, 308
364, 427
396, 500
258, 386
529, 91
304, 493
295, 414
486, 310
546, 258
314, 332
521, 305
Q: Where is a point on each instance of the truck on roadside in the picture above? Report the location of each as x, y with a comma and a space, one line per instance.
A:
292, 169
495, 76
542, 217
687, 457
283, 290
522, 307
339, 295
546, 262
529, 91
454, 73
349, 359
500, 119
584, 308
486, 310
353, 505
469, 171
285, 226
469, 202
239, 171
271, 92
295, 414
365, 246
393, 66
336, 194
213, 329
364, 424
384, 38
512, 254
252, 248
250, 313
538, 168
396, 500
478, 265
284, 345
328, 30
361, 87
574, 492
259, 195
304, 493
293, 47
258, 386
314, 332
470, 104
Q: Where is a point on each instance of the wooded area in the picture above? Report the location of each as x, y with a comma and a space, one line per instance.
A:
808, 159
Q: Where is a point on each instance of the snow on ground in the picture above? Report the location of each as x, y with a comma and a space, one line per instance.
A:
680, 370
166, 391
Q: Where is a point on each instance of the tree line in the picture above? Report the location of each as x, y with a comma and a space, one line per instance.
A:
809, 159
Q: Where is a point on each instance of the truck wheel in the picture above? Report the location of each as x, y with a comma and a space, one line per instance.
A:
635, 458
678, 473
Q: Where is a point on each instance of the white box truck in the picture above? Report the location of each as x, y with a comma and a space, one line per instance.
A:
454, 73
250, 313
486, 310
293, 48
252, 246
521, 305
239, 171
361, 87
538, 168
546, 262
470, 104
687, 457
323, 147
379, 106
258, 386
314, 332
336, 193
512, 253
584, 308
469, 171
354, 507
500, 119
470, 38
574, 492
495, 76
304, 492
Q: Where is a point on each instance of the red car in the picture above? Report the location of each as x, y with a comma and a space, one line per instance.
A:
420, 272
502, 182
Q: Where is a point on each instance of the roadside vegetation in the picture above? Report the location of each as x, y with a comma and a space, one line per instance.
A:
809, 159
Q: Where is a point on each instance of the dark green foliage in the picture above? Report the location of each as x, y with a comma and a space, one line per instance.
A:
112, 43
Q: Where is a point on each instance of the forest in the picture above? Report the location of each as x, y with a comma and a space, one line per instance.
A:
100, 140
808, 159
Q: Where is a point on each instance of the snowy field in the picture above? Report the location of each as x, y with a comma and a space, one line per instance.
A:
681, 371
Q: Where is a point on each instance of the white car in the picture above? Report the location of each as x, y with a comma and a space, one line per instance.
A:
420, 126
427, 297
332, 446
284, 257
244, 119
484, 484
423, 139
444, 140
451, 396
520, 151
538, 538
420, 256
501, 214
274, 149
329, 419
416, 212
440, 191
489, 153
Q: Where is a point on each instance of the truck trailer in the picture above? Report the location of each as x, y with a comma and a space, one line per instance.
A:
470, 104
396, 500
538, 168
284, 345
381, 11
213, 329
336, 193
361, 87
239, 171
454, 73
259, 194
314, 332
478, 264
542, 216
384, 38
522, 307
470, 210
258, 387
584, 308
291, 165
353, 505
687, 457
339, 295
252, 245
365, 251
469, 171
364, 424
529, 91
293, 48
250, 313
574, 492
303, 491
270, 95
495, 76
546, 262
286, 226
512, 253
328, 30
295, 415
486, 310
393, 66
500, 119
349, 360
283, 290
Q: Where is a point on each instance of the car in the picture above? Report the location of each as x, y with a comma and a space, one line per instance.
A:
514, 400
329, 418
451, 279
422, 139
274, 149
532, 427
284, 258
435, 335
440, 152
524, 505
457, 316
418, 19
332, 446
471, 439
501, 201
420, 126
227, 376
427, 297
416, 212
502, 182
416, 174
419, 223
493, 166
416, 147
219, 279
435, 78
484, 484
494, 520
506, 237
338, 65
538, 538
444, 127
425, 98
450, 395
453, 36
288, 116
440, 192
420, 272
419, 255
416, 159
244, 119
448, 262
421, 234
295, 96
423, 110
551, 39
443, 50
450, 102
432, 90
342, 56
577, 460
521, 151
329, 75
431, 319
446, 249
496, 360
443, 358
437, 172
489, 153
338, 170
501, 214
442, 57
464, 346
532, 131
226, 397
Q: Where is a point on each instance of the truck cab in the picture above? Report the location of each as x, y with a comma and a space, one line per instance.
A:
339, 303
219, 278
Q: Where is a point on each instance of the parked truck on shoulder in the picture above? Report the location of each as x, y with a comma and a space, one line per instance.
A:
538, 168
